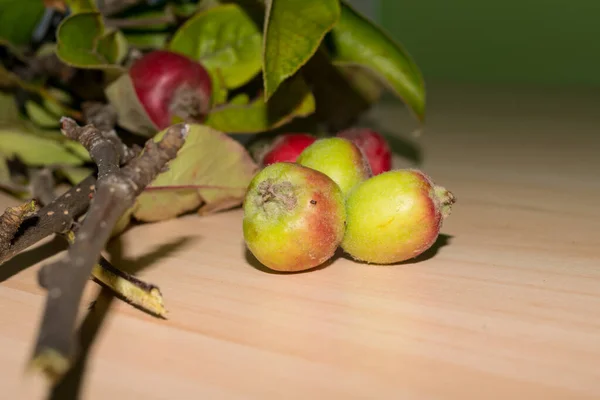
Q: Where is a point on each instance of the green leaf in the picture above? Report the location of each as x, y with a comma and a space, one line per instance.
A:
46, 113
357, 40
150, 40
211, 169
9, 113
75, 174
34, 146
241, 99
224, 38
34, 150
219, 88
4, 170
81, 6
292, 99
186, 10
84, 43
41, 116
363, 80
50, 97
114, 45
77, 149
57, 101
294, 29
18, 20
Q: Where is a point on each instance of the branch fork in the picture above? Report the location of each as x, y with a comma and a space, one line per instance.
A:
114, 192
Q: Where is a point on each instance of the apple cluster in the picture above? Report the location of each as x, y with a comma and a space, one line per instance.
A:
288, 146
299, 210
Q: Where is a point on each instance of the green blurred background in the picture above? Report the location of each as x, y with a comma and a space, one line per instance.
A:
540, 42
548, 42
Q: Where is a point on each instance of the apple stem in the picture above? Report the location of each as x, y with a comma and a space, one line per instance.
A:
446, 199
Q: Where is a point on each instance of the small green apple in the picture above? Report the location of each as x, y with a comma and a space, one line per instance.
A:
294, 217
338, 158
394, 216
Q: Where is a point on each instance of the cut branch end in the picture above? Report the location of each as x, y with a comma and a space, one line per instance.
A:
50, 363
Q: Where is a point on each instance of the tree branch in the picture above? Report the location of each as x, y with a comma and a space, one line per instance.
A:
48, 65
142, 295
116, 191
102, 116
112, 7
42, 185
19, 229
139, 294
10, 221
102, 151
56, 217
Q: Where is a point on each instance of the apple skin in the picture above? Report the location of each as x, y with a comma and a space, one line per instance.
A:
161, 76
338, 158
287, 147
294, 217
374, 146
394, 216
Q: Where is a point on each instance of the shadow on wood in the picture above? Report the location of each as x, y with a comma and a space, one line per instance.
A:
132, 266
251, 259
30, 257
442, 240
70, 386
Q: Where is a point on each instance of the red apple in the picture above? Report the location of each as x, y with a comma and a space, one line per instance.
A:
169, 84
373, 145
287, 147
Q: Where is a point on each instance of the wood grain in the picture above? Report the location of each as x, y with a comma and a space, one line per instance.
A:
506, 306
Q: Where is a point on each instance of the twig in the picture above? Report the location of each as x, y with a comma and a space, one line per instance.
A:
42, 185
116, 191
56, 217
102, 151
13, 187
48, 65
19, 230
144, 296
10, 221
111, 7
102, 116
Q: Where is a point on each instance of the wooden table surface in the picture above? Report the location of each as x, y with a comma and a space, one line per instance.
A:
507, 306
